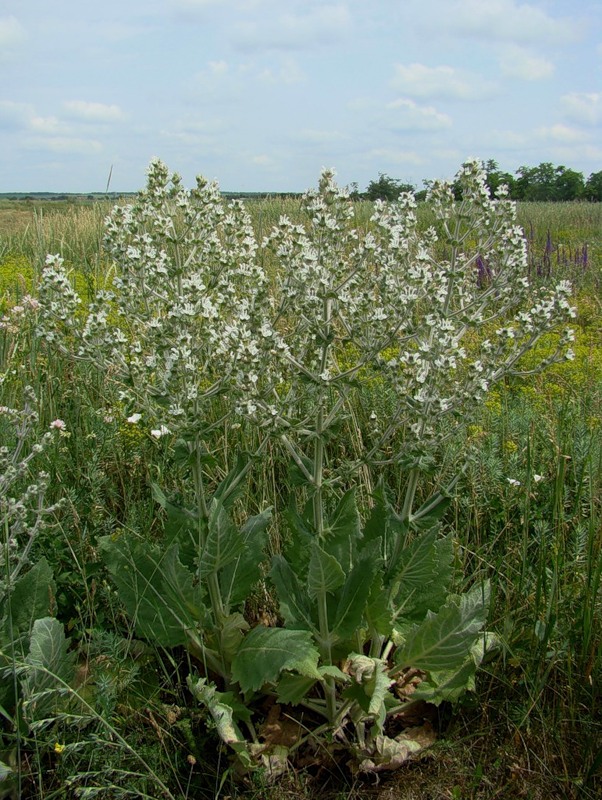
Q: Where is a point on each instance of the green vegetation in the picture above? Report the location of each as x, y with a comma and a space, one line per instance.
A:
145, 577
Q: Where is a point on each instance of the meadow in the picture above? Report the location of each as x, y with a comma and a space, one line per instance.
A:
111, 468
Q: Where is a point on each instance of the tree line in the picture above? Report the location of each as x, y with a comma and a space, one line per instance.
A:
545, 182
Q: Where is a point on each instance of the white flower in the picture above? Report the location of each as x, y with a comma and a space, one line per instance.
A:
134, 419
537, 478
58, 424
513, 482
158, 433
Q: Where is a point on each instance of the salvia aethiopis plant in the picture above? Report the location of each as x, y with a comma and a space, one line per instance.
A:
196, 340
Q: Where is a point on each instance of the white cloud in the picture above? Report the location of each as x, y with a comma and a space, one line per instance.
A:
321, 137
504, 21
262, 161
516, 62
12, 34
563, 134
64, 144
287, 72
446, 82
508, 140
93, 112
205, 134
15, 116
396, 156
46, 125
318, 26
571, 154
23, 117
194, 5
583, 107
410, 116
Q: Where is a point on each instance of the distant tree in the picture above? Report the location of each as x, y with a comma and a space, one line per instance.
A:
593, 187
547, 182
535, 183
386, 188
569, 184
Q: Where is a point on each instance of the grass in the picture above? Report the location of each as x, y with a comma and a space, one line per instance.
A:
533, 726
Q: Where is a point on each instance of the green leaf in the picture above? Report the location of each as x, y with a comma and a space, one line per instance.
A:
293, 601
450, 685
157, 591
31, 598
185, 454
223, 709
354, 597
371, 676
231, 634
417, 563
423, 577
442, 642
384, 524
51, 667
324, 574
293, 688
431, 511
224, 541
5, 772
181, 526
302, 536
296, 476
233, 484
342, 532
238, 578
266, 652
378, 614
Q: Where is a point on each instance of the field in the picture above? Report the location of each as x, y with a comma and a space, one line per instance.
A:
511, 481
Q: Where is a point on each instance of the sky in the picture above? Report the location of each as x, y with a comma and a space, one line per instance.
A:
262, 94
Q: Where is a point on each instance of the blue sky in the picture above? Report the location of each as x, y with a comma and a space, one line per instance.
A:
261, 94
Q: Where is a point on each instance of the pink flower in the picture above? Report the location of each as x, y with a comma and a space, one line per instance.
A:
58, 424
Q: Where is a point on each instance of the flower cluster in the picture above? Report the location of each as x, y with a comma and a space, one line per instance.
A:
23, 512
185, 323
192, 332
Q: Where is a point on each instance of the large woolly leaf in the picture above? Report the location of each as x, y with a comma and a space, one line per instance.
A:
239, 576
302, 535
423, 577
31, 598
293, 600
384, 524
233, 484
51, 667
443, 641
293, 688
378, 613
354, 595
157, 591
417, 563
181, 527
371, 675
431, 511
228, 637
224, 541
342, 531
324, 574
266, 652
450, 685
223, 707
